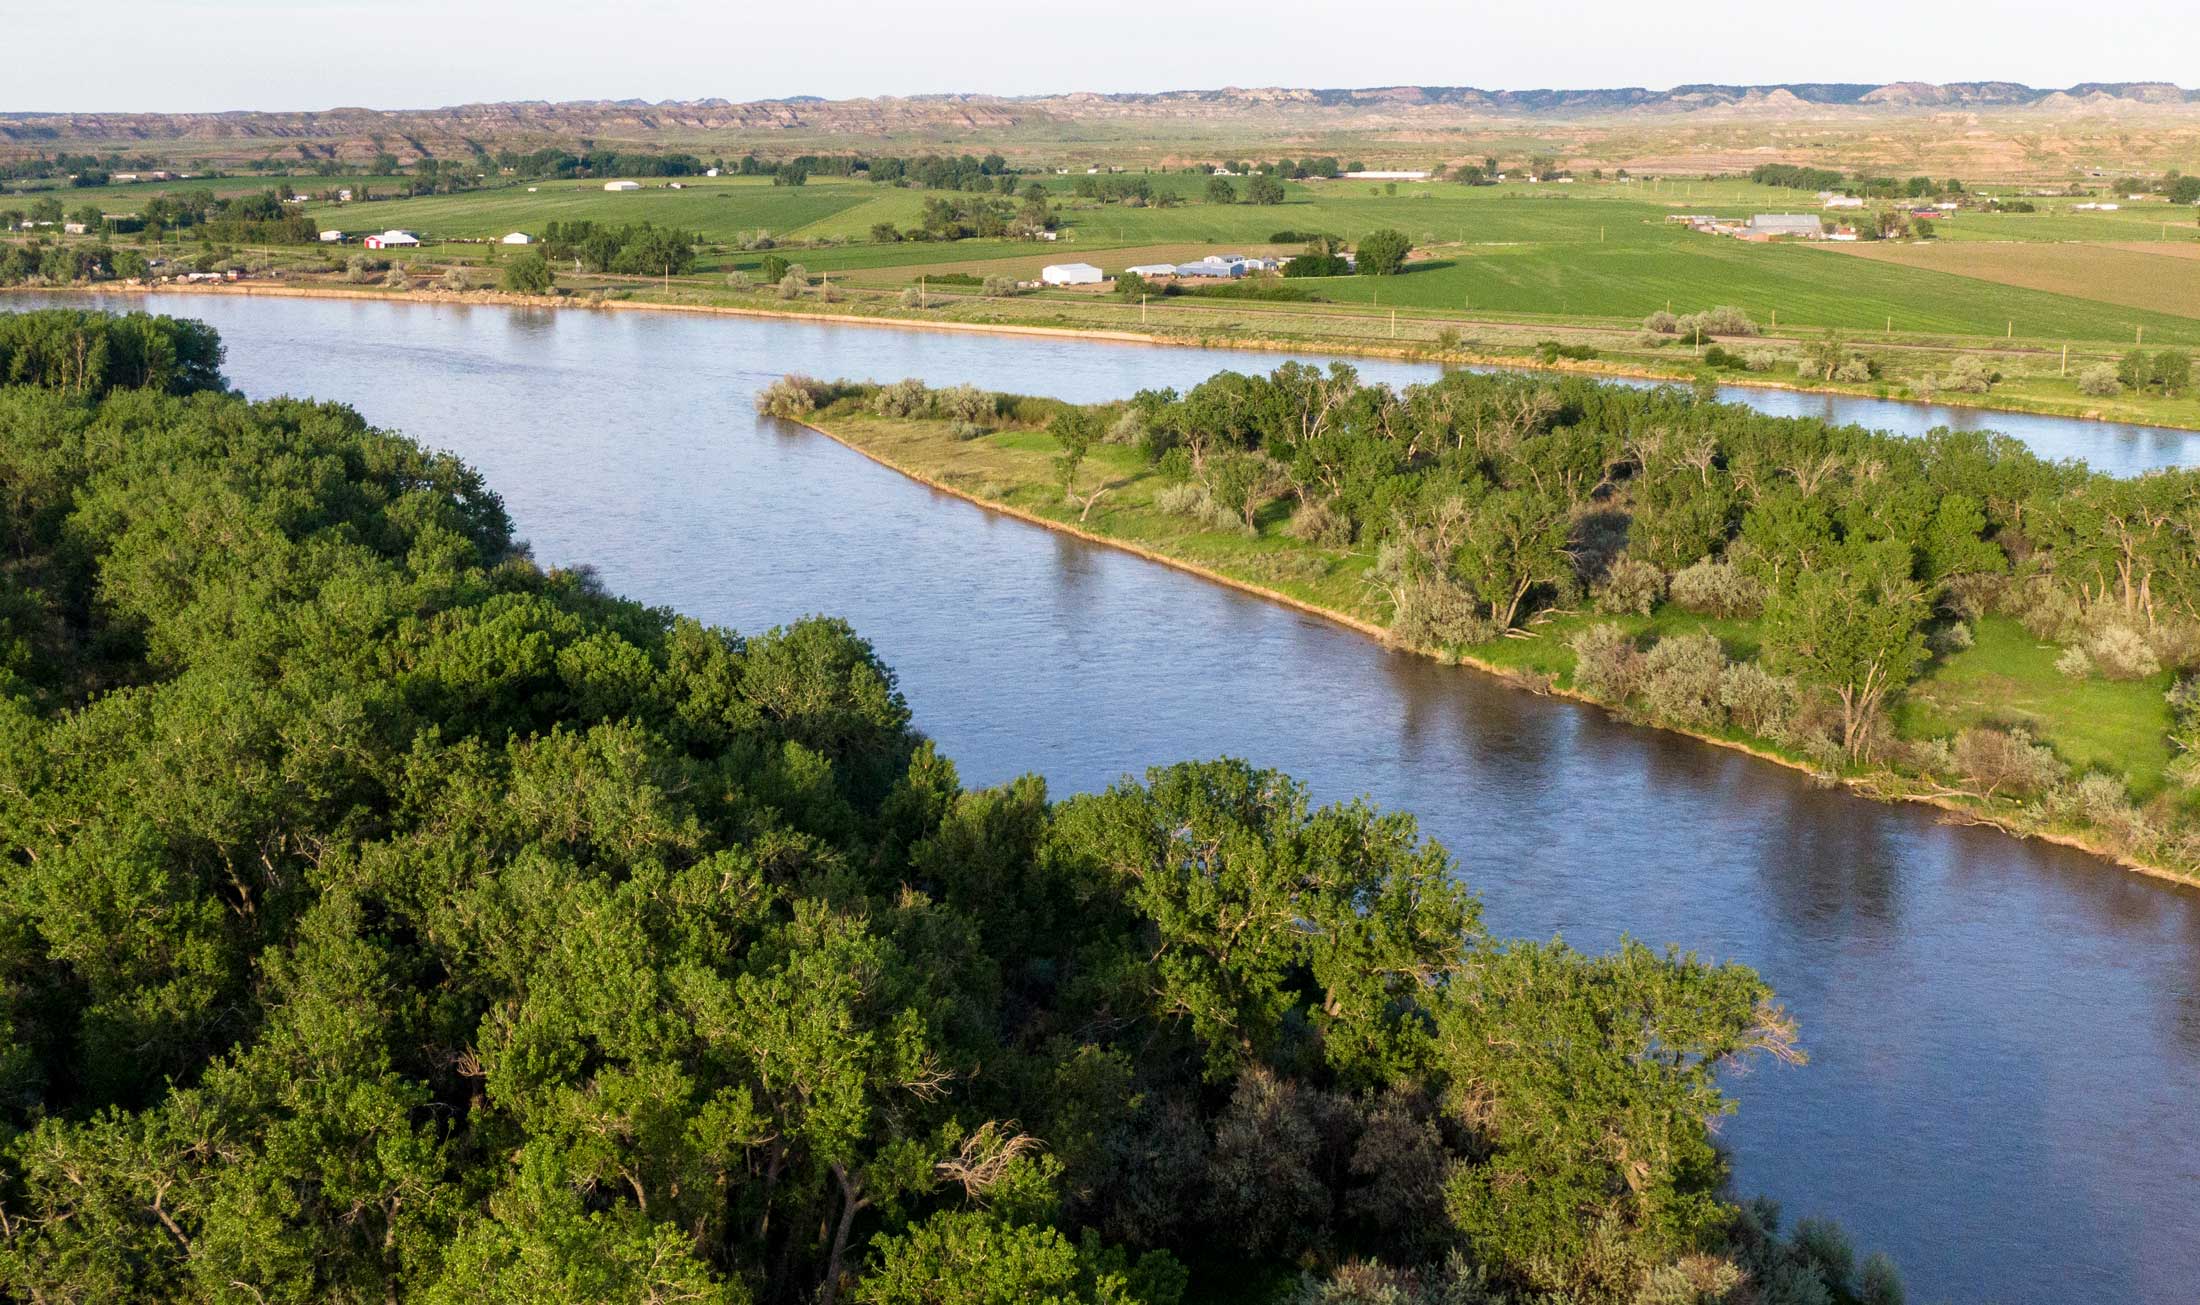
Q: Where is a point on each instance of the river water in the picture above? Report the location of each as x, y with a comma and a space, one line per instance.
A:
2004, 1087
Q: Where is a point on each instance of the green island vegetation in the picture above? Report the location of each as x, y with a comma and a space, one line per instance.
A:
2014, 296
1949, 618
384, 917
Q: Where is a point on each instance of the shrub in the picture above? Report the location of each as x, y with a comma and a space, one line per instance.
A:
2099, 382
1970, 375
773, 267
967, 430
915, 297
1434, 613
1661, 323
830, 293
741, 281
2006, 763
1755, 699
792, 286
454, 279
965, 403
2122, 653
2044, 609
1320, 523
397, 280
793, 395
528, 274
2101, 801
1715, 588
1955, 637
1762, 360
1681, 679
1856, 370
1606, 664
1182, 500
1628, 585
1128, 429
1723, 320
999, 287
909, 398
2074, 663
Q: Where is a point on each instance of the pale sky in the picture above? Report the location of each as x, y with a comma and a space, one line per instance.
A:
202, 55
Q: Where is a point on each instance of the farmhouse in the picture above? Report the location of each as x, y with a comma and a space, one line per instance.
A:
622, 185
392, 240
1071, 274
517, 238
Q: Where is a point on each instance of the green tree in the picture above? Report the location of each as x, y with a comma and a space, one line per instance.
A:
1263, 190
1853, 627
1383, 253
1220, 191
529, 274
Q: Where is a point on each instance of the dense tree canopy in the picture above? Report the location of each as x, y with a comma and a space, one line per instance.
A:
385, 917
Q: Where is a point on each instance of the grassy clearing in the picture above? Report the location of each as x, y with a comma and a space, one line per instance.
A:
2008, 678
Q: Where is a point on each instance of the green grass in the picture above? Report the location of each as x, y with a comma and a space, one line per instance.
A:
2008, 678
1590, 251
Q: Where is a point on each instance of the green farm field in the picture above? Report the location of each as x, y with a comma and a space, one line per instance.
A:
1597, 251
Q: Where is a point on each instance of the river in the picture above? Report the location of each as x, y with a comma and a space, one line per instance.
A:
2004, 1087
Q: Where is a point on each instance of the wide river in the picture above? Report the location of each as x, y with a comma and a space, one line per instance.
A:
2004, 1087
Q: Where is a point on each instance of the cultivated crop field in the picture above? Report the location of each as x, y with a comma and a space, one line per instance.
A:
2156, 278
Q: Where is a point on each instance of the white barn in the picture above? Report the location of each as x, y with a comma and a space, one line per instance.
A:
332, 237
517, 238
622, 185
1071, 274
1152, 269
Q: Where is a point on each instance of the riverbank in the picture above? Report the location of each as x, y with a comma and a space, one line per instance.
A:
1012, 473
689, 299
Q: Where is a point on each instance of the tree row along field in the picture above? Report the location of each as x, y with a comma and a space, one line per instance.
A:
1588, 251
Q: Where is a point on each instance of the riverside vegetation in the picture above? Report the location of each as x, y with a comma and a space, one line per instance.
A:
384, 917
1948, 617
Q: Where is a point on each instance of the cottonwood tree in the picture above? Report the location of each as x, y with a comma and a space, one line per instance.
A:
1853, 627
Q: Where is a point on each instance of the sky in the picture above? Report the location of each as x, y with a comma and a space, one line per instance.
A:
211, 55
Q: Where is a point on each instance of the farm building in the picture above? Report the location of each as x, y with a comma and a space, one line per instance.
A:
1151, 270
517, 238
622, 185
1380, 174
1843, 201
1213, 265
1765, 226
332, 237
1071, 274
392, 240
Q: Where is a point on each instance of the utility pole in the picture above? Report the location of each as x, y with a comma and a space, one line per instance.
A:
1393, 323
1141, 310
2066, 362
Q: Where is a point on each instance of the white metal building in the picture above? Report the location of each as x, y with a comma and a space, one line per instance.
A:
1071, 274
622, 185
517, 238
